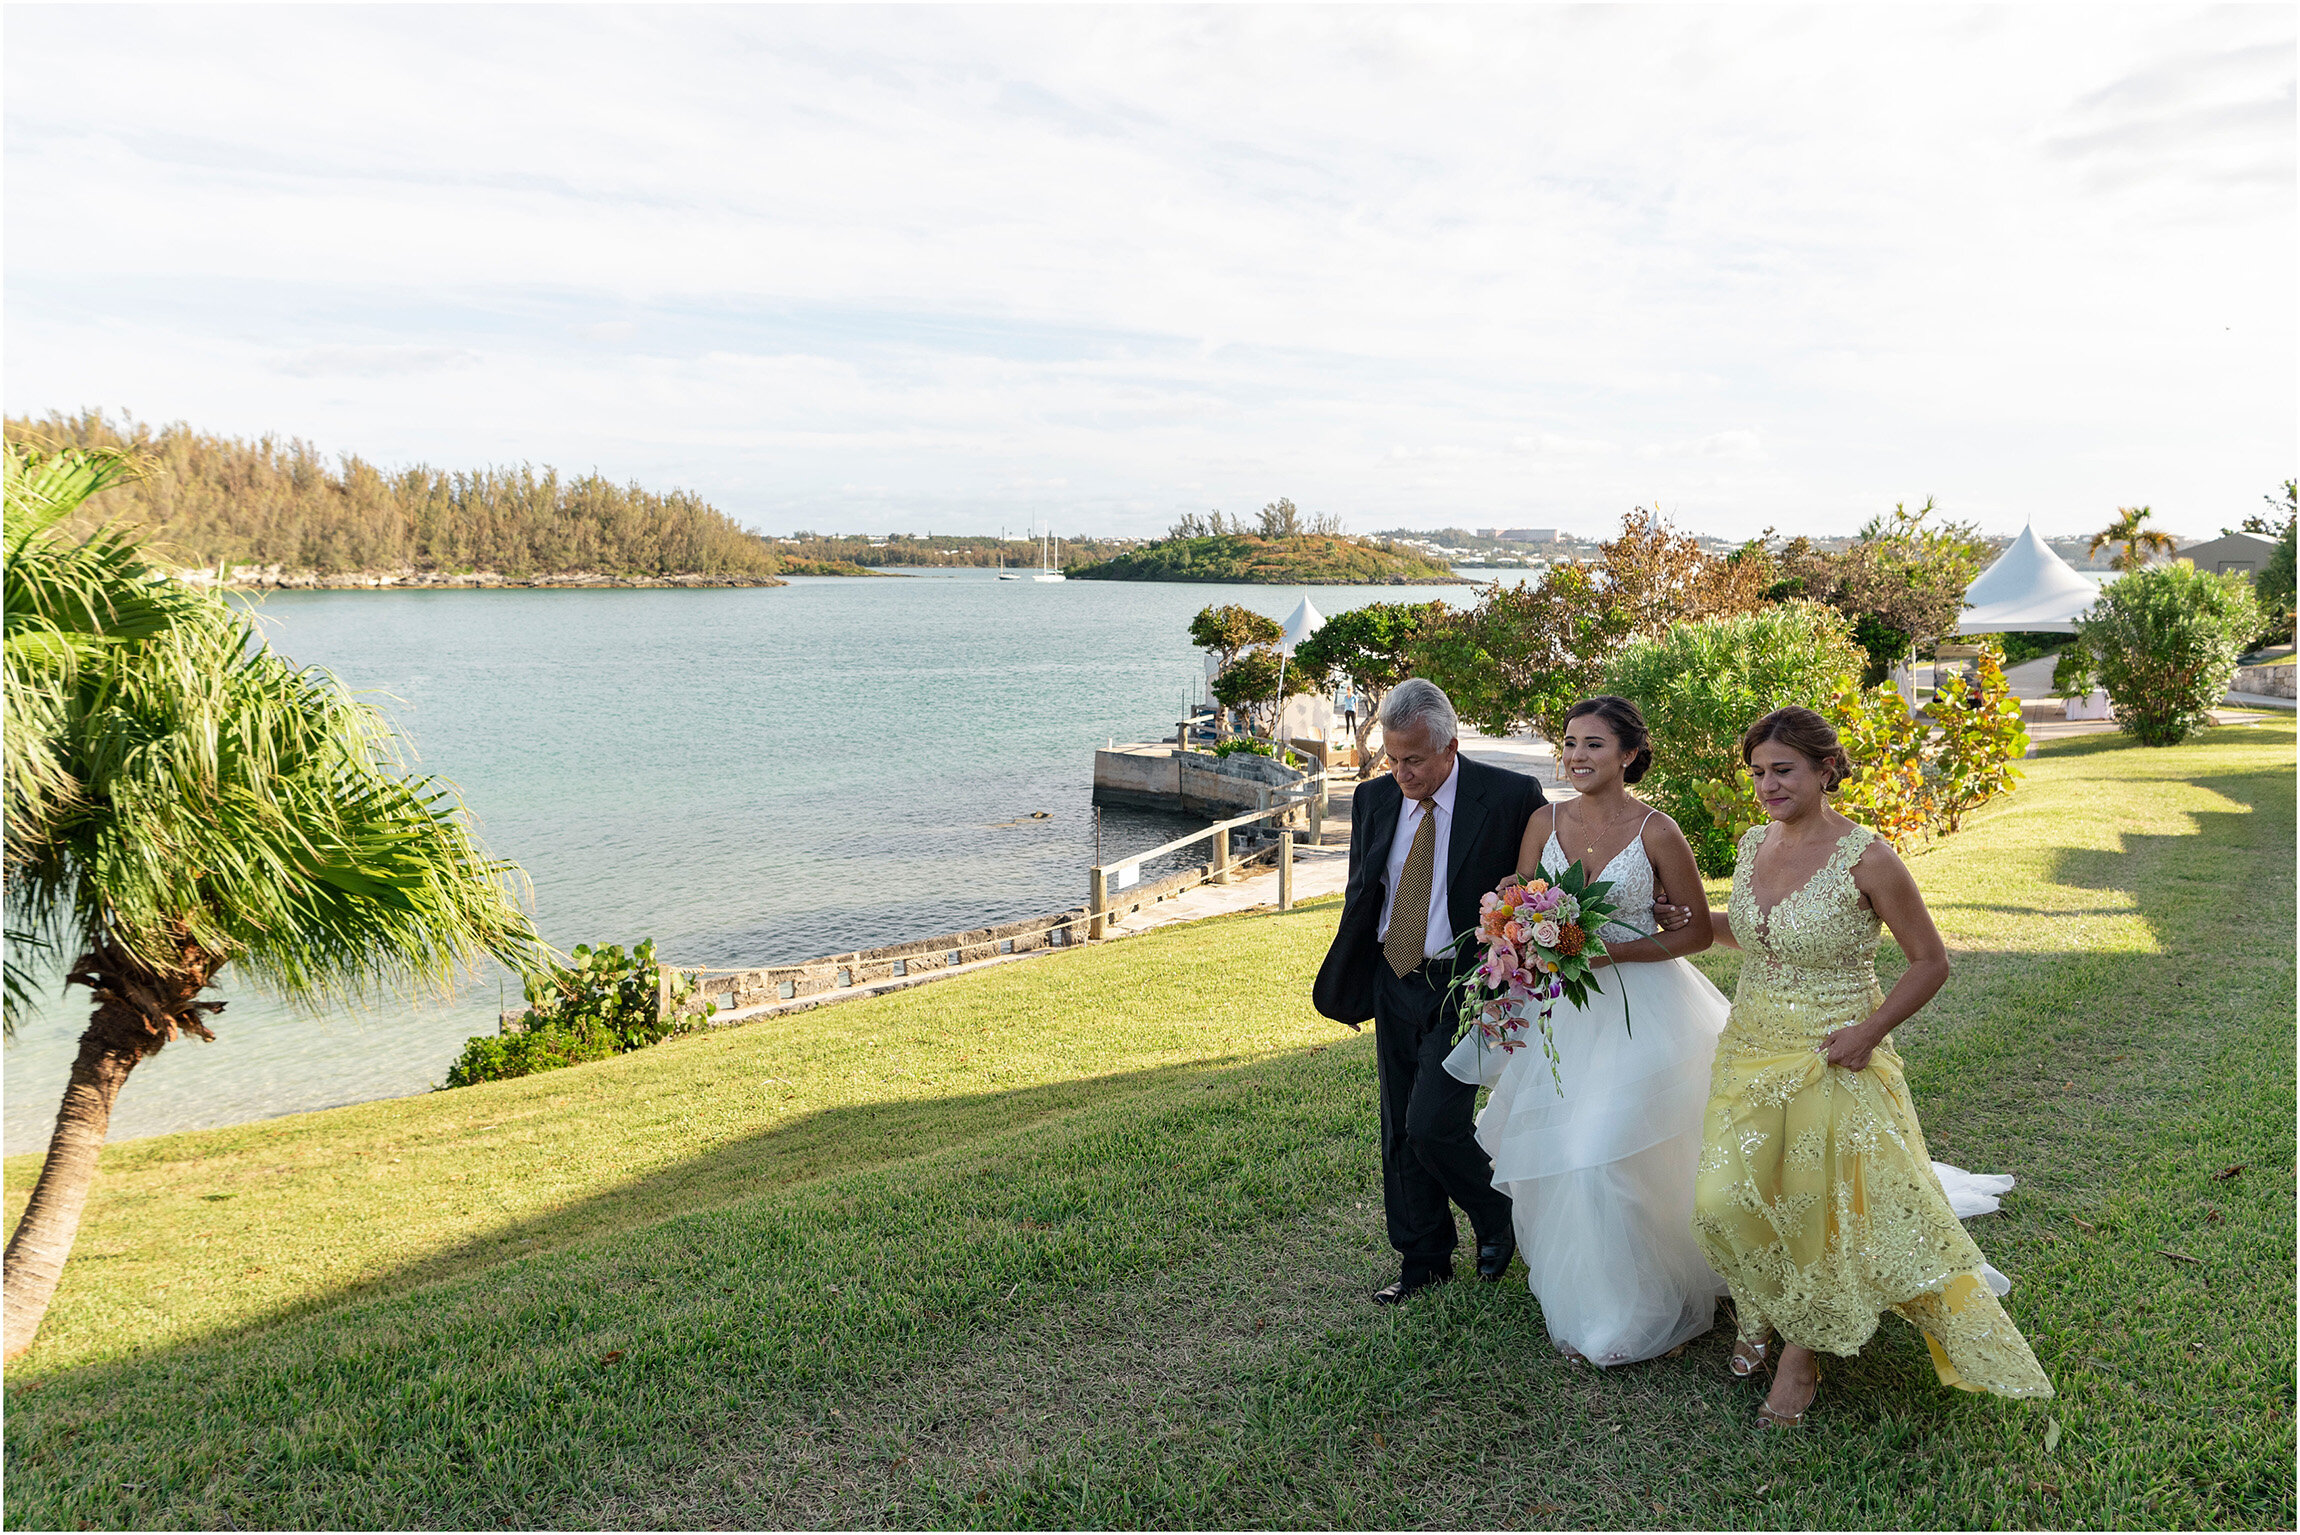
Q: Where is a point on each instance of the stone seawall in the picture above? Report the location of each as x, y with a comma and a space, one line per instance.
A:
1155, 776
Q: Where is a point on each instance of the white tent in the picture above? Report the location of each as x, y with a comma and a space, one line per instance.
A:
2029, 589
1304, 622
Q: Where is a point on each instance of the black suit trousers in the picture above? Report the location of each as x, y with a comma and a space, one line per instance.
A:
1430, 1154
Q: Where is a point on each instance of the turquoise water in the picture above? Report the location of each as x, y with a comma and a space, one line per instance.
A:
748, 777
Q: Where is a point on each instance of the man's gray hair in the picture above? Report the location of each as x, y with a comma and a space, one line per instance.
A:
1419, 704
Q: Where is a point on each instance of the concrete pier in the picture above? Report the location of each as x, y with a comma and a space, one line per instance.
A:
1155, 775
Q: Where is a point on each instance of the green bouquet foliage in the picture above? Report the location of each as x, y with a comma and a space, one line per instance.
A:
2164, 641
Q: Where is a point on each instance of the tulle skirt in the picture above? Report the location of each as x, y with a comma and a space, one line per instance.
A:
1600, 1163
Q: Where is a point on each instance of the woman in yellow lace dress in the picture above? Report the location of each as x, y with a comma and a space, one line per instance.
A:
1815, 1197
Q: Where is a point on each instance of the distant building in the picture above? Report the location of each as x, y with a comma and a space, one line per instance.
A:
2243, 553
1526, 535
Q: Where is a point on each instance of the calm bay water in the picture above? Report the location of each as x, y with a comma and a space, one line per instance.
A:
748, 777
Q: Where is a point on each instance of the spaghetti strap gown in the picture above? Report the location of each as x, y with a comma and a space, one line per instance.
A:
1599, 1171
1815, 1197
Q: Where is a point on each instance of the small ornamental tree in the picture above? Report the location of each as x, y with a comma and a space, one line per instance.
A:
2164, 641
1229, 629
1369, 650
1655, 576
1251, 683
1524, 654
1899, 582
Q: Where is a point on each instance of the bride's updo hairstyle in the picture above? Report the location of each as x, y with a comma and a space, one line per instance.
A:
1628, 727
1808, 735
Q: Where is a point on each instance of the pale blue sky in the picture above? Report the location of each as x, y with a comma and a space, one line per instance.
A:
899, 269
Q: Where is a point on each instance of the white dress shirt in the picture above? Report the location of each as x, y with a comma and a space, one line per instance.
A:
1439, 935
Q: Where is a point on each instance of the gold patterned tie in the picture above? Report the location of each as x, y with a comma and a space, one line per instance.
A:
1410, 912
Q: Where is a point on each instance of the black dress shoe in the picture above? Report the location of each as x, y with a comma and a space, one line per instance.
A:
1395, 1292
1493, 1258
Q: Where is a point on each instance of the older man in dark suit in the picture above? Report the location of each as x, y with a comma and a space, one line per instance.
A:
1426, 843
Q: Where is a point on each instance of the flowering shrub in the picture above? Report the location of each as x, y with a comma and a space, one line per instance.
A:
1912, 779
1980, 738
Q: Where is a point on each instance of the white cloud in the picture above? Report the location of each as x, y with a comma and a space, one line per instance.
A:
1737, 445
1410, 265
374, 361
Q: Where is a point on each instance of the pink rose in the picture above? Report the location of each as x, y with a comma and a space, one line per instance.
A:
1545, 933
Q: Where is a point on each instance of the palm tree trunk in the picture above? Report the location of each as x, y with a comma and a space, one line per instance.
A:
136, 1013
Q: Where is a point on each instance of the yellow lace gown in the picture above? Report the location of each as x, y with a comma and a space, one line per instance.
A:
1815, 1197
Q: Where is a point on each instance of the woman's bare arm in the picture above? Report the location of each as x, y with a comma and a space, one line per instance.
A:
1893, 894
1673, 868
1537, 830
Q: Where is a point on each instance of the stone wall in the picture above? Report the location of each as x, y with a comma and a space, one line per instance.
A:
2268, 681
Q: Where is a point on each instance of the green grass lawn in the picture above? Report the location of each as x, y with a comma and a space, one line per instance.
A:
1087, 1241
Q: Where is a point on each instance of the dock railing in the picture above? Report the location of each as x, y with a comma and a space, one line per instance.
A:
1113, 891
740, 993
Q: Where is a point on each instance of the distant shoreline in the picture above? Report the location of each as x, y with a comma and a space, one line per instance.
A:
433, 580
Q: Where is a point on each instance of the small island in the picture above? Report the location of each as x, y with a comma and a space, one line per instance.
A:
1278, 550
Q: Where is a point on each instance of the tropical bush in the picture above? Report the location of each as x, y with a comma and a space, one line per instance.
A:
1914, 777
602, 1003
2272, 584
2164, 641
1978, 737
497, 1057
1701, 684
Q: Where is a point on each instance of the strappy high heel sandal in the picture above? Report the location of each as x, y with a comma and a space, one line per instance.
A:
1749, 1358
1768, 1417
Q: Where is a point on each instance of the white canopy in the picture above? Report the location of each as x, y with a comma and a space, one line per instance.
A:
1304, 622
2030, 589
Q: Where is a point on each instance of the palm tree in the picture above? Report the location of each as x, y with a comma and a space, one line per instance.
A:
179, 798
2135, 544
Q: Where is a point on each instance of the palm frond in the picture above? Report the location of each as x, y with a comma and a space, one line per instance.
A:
178, 782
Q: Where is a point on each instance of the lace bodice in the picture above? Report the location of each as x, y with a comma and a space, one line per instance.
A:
1813, 957
1631, 872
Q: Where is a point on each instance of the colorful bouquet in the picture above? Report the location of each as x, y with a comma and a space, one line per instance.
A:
1536, 941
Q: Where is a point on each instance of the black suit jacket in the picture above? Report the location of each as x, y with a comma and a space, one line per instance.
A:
1490, 809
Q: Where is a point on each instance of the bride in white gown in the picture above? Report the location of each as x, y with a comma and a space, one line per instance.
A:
1600, 1170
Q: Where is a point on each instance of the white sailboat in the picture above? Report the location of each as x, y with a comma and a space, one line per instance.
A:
1046, 570
1003, 573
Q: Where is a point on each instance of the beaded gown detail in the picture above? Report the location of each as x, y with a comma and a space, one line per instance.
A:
1815, 1196
1600, 1171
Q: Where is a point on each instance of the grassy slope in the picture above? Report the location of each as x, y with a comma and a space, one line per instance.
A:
1086, 1240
